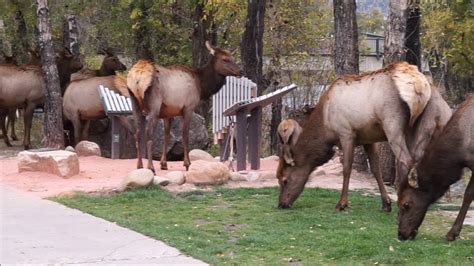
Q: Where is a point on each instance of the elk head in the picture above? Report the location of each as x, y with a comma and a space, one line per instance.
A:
291, 180
34, 56
413, 204
69, 62
223, 61
112, 62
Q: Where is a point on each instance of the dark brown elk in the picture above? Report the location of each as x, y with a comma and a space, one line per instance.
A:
110, 64
166, 92
357, 110
81, 102
442, 165
23, 87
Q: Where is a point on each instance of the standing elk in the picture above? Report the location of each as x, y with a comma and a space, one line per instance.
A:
34, 58
23, 87
358, 110
110, 64
442, 165
81, 102
166, 92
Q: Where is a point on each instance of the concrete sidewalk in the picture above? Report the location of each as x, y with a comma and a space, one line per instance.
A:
34, 231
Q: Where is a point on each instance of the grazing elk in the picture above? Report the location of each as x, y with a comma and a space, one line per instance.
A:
166, 92
442, 165
110, 64
357, 110
23, 87
288, 132
81, 102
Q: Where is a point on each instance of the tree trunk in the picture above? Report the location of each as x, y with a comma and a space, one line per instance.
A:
346, 55
394, 51
53, 122
141, 29
412, 42
71, 34
251, 46
20, 44
274, 69
201, 34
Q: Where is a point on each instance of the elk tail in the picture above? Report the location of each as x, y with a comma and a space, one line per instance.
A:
139, 79
413, 88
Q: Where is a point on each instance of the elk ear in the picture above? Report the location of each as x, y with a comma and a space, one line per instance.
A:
287, 155
211, 49
67, 53
413, 177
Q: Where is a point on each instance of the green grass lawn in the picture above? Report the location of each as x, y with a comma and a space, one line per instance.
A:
243, 226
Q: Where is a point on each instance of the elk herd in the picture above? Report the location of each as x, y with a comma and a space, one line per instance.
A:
395, 104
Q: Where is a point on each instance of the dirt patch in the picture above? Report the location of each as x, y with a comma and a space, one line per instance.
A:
103, 175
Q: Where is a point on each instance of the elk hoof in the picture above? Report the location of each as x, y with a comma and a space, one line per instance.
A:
451, 236
164, 166
14, 137
8, 143
387, 206
27, 147
341, 206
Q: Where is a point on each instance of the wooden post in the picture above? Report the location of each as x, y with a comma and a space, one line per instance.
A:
255, 135
241, 140
115, 141
224, 147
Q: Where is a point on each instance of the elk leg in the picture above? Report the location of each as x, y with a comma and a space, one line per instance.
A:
137, 116
85, 130
398, 145
27, 120
76, 124
348, 157
150, 126
466, 202
186, 120
375, 167
11, 122
3, 115
166, 139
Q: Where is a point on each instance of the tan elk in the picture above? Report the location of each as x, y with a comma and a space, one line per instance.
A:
288, 133
110, 64
23, 87
358, 110
81, 102
442, 165
34, 58
166, 92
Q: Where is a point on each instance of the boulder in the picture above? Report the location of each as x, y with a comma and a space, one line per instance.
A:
271, 158
70, 148
137, 178
58, 162
87, 148
175, 177
198, 138
207, 173
237, 176
160, 181
198, 154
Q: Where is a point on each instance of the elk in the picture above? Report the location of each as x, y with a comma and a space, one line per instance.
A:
23, 87
166, 92
442, 165
81, 102
288, 132
110, 64
358, 110
34, 58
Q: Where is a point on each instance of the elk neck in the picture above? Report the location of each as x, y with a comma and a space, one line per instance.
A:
210, 82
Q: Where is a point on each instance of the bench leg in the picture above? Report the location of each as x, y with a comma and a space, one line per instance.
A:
115, 142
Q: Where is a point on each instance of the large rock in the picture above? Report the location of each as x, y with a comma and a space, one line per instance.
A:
59, 162
137, 178
207, 173
87, 148
198, 154
175, 177
198, 138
